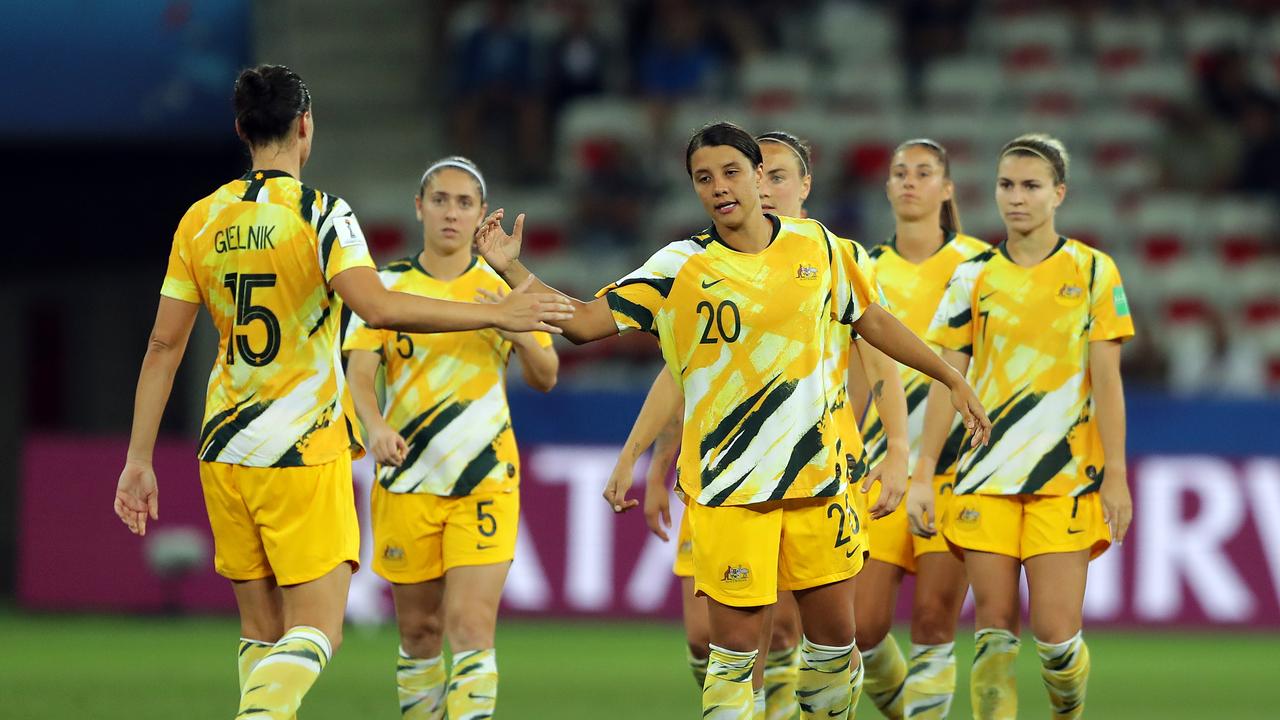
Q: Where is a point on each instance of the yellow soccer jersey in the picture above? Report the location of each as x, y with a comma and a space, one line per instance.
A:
750, 339
259, 253
446, 392
913, 293
1028, 331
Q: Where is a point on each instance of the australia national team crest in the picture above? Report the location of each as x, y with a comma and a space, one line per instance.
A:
736, 574
393, 554
1069, 294
806, 274
968, 516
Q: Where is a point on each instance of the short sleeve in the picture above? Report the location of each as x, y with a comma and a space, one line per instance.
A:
853, 285
342, 243
952, 325
543, 339
179, 277
636, 299
1109, 317
359, 336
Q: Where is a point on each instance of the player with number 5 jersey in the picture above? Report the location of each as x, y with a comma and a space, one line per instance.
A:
445, 504
269, 257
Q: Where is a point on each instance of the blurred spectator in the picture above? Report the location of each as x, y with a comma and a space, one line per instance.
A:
1260, 161
1195, 153
930, 29
674, 59
1226, 85
578, 59
493, 79
611, 200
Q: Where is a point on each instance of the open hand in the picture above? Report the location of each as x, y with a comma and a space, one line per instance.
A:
137, 497
522, 311
494, 244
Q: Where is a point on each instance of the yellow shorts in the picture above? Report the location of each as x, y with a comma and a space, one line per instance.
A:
419, 537
296, 523
684, 548
891, 538
744, 554
1024, 526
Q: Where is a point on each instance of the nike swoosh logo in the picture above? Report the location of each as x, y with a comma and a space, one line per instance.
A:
485, 547
1073, 532
984, 297
850, 553
706, 284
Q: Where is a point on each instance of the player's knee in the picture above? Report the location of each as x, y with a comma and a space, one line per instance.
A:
784, 636
700, 648
420, 635
1055, 630
267, 629
932, 622
470, 631
871, 630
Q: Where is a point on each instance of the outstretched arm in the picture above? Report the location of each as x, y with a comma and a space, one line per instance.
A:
590, 320
379, 308
137, 495
890, 336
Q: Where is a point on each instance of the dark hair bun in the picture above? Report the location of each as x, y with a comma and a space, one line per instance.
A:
267, 100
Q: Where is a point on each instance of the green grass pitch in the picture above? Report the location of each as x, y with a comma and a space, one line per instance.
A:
108, 668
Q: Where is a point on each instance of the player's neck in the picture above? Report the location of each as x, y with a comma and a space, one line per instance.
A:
1033, 247
284, 159
752, 236
917, 240
444, 265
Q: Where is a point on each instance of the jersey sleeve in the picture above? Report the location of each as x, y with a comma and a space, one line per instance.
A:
952, 325
853, 286
636, 299
1109, 317
543, 339
342, 243
179, 277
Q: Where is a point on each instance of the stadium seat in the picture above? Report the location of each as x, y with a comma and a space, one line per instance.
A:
966, 83
1150, 87
850, 33
1030, 41
1123, 41
1242, 229
1054, 90
856, 89
1205, 32
588, 124
1092, 219
776, 82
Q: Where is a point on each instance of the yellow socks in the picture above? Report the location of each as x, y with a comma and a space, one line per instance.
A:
473, 688
855, 684
758, 705
1065, 669
886, 672
420, 685
823, 684
780, 670
993, 686
274, 688
250, 654
931, 681
727, 693
698, 666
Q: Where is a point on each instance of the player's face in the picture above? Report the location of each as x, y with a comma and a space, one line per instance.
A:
785, 186
917, 185
727, 184
1026, 193
450, 210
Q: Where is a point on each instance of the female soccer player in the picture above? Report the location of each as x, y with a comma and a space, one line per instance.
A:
913, 269
445, 505
265, 254
744, 315
787, 184
1042, 318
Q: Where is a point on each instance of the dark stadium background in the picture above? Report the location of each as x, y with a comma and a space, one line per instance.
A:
116, 116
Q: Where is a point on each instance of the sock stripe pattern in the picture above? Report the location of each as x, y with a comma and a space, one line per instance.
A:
250, 653
856, 676
993, 687
823, 685
1064, 667
727, 694
886, 675
931, 681
473, 687
697, 666
275, 687
420, 684
780, 670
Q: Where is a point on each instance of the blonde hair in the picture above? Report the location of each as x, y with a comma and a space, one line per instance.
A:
1044, 146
